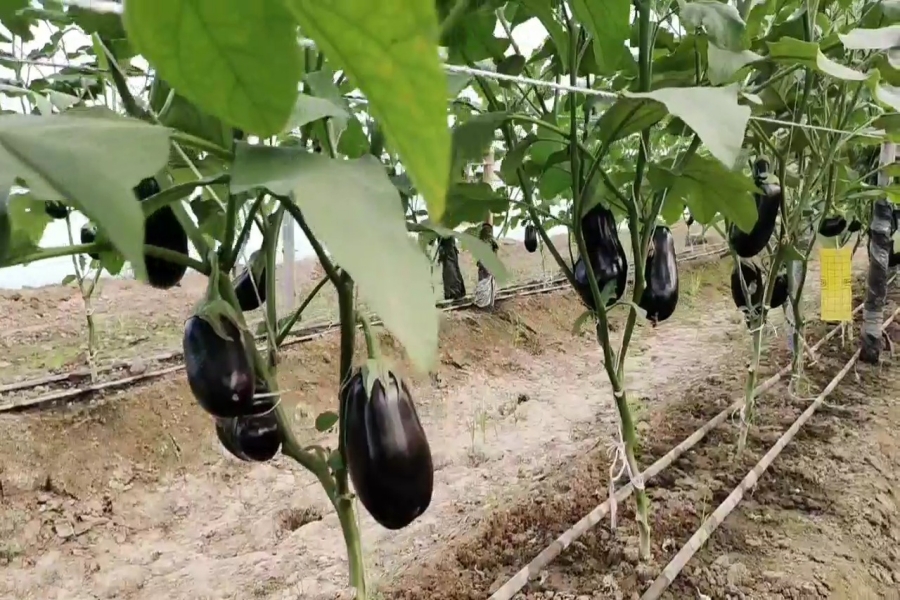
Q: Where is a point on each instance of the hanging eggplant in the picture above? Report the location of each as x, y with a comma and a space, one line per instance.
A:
779, 290
854, 226
832, 226
88, 235
388, 455
607, 256
753, 278
660, 295
250, 285
749, 244
56, 210
162, 229
531, 242
218, 370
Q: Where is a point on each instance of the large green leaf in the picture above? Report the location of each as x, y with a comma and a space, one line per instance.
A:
310, 108
468, 202
871, 39
472, 137
90, 160
723, 64
798, 52
609, 22
713, 113
707, 187
28, 220
722, 22
184, 115
388, 48
238, 60
480, 250
355, 211
628, 116
543, 10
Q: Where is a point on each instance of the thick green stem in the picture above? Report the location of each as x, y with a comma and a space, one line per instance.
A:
343, 500
372, 349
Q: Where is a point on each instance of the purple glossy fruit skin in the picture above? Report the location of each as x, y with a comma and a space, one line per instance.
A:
388, 455
219, 372
660, 295
608, 259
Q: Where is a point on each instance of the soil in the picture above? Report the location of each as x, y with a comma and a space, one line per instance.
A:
131, 496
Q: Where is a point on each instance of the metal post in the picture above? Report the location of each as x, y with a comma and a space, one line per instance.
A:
288, 260
880, 246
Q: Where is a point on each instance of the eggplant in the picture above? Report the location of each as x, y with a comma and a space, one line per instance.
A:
779, 290
598, 227
250, 297
531, 242
219, 371
749, 244
88, 235
388, 455
56, 210
854, 226
832, 226
607, 256
605, 270
660, 295
753, 278
451, 275
255, 437
162, 229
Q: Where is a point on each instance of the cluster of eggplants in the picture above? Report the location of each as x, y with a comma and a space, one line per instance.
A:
222, 379
660, 295
755, 280
56, 210
387, 451
606, 255
161, 229
749, 244
531, 241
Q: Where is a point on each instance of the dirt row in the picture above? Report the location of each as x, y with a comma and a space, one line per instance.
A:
821, 523
134, 499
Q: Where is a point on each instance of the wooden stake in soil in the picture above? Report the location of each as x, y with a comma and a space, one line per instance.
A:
548, 554
675, 566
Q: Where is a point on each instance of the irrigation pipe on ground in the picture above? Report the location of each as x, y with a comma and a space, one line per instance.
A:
675, 566
548, 554
305, 335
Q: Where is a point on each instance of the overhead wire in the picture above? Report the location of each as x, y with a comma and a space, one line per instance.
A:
108, 6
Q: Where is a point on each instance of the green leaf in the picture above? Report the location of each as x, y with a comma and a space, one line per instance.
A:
354, 210
184, 115
723, 64
238, 60
93, 161
883, 38
707, 187
478, 249
797, 52
70, 278
722, 22
609, 23
387, 47
511, 65
628, 116
28, 221
713, 113
543, 10
581, 321
467, 202
310, 108
472, 137
326, 421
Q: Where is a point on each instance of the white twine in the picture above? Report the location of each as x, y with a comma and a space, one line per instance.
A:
107, 6
618, 467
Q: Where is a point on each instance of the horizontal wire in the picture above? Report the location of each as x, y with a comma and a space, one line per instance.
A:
114, 7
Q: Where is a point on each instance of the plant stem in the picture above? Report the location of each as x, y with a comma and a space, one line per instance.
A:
56, 251
372, 349
289, 324
343, 501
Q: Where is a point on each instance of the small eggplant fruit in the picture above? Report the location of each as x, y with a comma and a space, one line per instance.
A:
832, 226
531, 242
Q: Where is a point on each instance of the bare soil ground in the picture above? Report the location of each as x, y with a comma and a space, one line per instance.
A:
133, 498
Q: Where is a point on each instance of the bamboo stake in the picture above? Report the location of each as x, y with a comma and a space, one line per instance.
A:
675, 566
548, 554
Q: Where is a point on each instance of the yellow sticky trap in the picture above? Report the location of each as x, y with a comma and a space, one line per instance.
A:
836, 276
